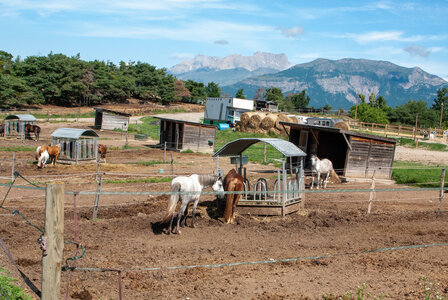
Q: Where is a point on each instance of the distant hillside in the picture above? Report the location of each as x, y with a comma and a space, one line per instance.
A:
336, 82
230, 69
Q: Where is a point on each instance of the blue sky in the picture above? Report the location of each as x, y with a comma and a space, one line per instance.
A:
164, 33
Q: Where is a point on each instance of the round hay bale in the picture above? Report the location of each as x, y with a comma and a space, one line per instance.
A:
268, 122
244, 118
294, 119
342, 125
275, 131
282, 118
255, 120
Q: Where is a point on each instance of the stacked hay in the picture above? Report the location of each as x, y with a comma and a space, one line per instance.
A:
255, 120
244, 118
282, 118
342, 125
268, 122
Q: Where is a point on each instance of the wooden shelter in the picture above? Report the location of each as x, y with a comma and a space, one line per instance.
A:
353, 154
15, 124
286, 193
110, 119
182, 135
76, 144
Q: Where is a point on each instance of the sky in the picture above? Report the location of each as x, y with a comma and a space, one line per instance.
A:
164, 33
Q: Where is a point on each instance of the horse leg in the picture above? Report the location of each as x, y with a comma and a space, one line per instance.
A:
179, 216
312, 180
318, 179
235, 203
194, 212
184, 217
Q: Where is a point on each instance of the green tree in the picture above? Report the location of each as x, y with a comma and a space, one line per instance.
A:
362, 98
240, 94
299, 100
274, 94
367, 113
6, 62
406, 114
197, 90
213, 90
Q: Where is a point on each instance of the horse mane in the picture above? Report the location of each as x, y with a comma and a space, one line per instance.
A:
207, 180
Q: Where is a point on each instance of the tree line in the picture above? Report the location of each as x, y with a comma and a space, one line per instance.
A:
69, 81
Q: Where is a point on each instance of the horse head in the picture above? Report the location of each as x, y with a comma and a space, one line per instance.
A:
219, 188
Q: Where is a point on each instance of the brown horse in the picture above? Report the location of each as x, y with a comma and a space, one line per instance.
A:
2, 130
40, 150
34, 129
54, 151
102, 151
233, 182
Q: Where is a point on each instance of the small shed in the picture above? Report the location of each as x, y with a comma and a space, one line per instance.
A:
76, 144
182, 135
286, 193
110, 119
15, 124
353, 154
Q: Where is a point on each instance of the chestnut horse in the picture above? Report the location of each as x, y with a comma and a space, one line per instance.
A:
102, 151
53, 152
233, 182
34, 129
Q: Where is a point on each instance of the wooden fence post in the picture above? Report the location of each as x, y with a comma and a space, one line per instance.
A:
372, 192
442, 185
54, 233
13, 165
97, 197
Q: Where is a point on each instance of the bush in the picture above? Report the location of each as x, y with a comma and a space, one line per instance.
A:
8, 290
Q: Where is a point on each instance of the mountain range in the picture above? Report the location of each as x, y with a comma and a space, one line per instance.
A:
332, 82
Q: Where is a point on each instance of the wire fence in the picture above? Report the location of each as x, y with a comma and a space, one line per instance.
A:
430, 194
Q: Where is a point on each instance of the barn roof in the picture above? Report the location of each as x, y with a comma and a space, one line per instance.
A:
185, 122
73, 133
21, 117
112, 111
338, 130
236, 147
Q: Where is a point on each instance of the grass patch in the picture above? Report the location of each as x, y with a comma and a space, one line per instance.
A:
254, 152
9, 289
151, 163
149, 126
140, 180
17, 149
417, 174
422, 145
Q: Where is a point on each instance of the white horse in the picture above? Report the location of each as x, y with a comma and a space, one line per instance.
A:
186, 190
44, 157
321, 167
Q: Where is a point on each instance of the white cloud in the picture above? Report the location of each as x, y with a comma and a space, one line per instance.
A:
221, 42
181, 56
381, 36
417, 50
293, 31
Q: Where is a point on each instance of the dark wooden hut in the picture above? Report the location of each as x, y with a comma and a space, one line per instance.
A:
353, 154
182, 135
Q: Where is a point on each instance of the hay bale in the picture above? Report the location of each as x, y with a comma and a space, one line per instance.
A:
294, 119
244, 118
255, 120
275, 131
342, 125
282, 118
268, 121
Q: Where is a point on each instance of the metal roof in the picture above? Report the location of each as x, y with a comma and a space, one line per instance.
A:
73, 133
185, 121
236, 147
23, 117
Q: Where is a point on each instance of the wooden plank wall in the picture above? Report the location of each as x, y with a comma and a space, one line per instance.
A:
112, 121
196, 138
368, 155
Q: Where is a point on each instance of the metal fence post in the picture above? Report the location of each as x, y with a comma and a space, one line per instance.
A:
442, 185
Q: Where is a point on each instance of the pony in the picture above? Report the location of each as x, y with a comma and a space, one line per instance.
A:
324, 167
233, 182
53, 153
40, 150
34, 129
43, 159
102, 150
188, 189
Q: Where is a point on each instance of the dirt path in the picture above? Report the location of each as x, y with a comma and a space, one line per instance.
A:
421, 156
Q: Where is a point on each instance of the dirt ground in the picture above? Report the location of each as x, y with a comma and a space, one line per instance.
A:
332, 244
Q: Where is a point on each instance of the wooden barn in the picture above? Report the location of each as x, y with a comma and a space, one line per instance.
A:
182, 135
15, 124
110, 119
353, 154
76, 144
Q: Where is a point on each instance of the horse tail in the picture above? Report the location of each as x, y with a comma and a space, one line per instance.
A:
333, 173
38, 153
174, 198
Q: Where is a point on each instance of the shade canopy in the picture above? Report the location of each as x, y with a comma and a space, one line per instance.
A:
73, 133
236, 147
